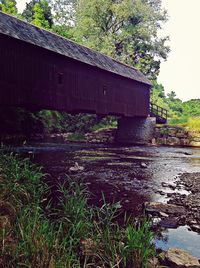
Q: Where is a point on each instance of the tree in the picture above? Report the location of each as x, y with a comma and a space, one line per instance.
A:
126, 30
158, 95
158, 90
38, 12
171, 96
8, 6
174, 103
192, 107
64, 11
64, 17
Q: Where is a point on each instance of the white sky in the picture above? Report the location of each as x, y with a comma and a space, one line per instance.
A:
21, 4
181, 72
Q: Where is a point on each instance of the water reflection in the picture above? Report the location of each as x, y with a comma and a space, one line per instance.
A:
180, 238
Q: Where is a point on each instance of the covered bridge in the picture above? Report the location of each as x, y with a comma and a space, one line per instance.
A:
41, 70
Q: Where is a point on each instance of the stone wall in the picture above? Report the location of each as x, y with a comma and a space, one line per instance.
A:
175, 136
163, 135
136, 130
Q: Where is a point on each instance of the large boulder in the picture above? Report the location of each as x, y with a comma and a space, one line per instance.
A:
156, 208
179, 258
174, 141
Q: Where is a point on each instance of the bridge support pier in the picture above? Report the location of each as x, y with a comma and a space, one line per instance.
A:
135, 130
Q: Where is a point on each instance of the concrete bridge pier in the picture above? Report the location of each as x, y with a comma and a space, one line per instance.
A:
135, 130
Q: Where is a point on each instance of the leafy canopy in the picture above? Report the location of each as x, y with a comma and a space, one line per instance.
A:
125, 30
38, 12
8, 6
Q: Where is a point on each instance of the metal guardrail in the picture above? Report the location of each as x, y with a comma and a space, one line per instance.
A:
158, 111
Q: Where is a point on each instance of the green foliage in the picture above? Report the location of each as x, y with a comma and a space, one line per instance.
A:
80, 123
24, 122
38, 12
192, 107
22, 179
105, 123
178, 111
171, 103
64, 11
158, 95
63, 30
50, 121
125, 30
175, 104
37, 233
38, 17
194, 123
76, 137
164, 131
191, 123
8, 6
181, 121
138, 244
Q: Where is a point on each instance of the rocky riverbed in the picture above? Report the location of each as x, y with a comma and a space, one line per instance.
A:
181, 209
191, 202
164, 178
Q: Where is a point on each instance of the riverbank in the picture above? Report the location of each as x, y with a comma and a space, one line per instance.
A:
44, 225
164, 135
132, 175
181, 208
175, 136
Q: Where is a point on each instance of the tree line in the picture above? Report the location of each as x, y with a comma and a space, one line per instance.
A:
179, 111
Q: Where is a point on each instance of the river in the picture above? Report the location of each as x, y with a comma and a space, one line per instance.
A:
131, 175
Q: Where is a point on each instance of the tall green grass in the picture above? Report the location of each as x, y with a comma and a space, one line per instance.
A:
37, 233
181, 121
194, 123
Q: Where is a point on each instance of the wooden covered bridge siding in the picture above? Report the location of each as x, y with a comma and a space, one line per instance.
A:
35, 74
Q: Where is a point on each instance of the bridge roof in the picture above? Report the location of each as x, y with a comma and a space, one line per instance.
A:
29, 33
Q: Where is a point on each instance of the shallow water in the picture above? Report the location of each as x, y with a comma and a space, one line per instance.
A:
117, 171
180, 238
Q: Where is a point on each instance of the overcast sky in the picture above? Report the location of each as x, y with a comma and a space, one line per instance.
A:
181, 71
21, 4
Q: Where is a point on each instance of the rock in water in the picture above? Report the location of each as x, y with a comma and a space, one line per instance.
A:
143, 165
156, 208
179, 258
187, 153
169, 223
76, 168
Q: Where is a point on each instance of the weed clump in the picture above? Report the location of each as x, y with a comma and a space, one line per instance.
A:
37, 233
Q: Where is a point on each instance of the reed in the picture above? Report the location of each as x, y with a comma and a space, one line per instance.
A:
40, 234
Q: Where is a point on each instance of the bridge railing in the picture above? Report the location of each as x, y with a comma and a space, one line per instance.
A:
158, 111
